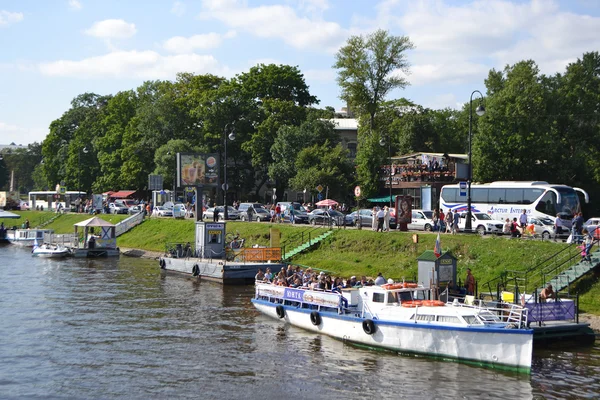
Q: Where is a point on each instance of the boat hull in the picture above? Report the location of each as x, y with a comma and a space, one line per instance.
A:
51, 253
501, 348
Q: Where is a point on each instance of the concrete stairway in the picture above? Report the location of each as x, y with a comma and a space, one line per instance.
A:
304, 246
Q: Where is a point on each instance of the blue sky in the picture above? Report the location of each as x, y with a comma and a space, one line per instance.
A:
54, 50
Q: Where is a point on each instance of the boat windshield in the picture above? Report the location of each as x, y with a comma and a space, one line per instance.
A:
472, 320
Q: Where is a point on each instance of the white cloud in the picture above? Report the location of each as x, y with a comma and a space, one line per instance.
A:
178, 8
75, 5
133, 64
320, 75
277, 21
112, 29
183, 45
7, 18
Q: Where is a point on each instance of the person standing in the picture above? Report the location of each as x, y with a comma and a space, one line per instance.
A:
380, 219
435, 219
455, 221
386, 219
442, 222
374, 219
380, 280
449, 221
470, 283
523, 220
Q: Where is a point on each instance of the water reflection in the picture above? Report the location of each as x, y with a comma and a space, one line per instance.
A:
122, 329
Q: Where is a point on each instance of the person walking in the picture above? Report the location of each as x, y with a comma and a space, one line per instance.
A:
386, 219
435, 219
449, 221
455, 221
523, 220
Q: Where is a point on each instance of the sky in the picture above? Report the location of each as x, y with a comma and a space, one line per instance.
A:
54, 50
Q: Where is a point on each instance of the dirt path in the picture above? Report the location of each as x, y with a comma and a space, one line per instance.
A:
593, 320
141, 253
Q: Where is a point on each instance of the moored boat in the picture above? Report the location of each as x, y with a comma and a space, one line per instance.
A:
50, 251
26, 237
400, 318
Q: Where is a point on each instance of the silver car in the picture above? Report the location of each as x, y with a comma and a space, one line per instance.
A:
232, 213
421, 220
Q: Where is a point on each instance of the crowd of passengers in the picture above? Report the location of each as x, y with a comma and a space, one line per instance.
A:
295, 277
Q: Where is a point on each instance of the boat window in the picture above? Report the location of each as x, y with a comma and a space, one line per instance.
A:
392, 298
405, 296
472, 320
448, 319
425, 317
378, 297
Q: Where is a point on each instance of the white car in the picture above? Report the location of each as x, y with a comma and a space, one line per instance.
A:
591, 225
482, 223
117, 208
421, 220
162, 211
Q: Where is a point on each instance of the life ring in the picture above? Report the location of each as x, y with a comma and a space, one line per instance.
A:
433, 303
195, 270
410, 285
412, 303
162, 263
390, 286
280, 311
368, 326
315, 318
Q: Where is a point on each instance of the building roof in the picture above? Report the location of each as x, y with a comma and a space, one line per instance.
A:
345, 124
122, 194
440, 155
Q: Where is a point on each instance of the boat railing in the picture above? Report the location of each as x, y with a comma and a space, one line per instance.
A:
64, 239
512, 315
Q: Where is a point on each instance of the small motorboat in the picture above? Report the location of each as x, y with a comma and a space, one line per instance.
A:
50, 251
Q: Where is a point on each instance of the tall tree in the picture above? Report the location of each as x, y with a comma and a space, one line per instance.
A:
369, 68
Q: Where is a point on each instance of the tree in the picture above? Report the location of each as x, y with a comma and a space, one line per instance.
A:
368, 69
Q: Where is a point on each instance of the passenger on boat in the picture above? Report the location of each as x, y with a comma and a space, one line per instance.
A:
547, 293
260, 275
268, 275
380, 280
351, 282
363, 281
337, 285
297, 283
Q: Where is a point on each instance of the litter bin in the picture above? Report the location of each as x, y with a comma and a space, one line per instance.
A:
179, 250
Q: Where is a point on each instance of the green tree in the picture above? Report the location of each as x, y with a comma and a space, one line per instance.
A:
368, 69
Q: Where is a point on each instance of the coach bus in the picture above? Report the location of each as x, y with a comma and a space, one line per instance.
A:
48, 199
501, 200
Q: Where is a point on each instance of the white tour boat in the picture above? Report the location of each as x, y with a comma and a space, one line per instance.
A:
26, 237
398, 317
50, 251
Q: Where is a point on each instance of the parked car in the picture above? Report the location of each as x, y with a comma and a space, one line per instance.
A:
300, 213
421, 220
366, 218
117, 208
232, 213
243, 207
543, 227
482, 223
135, 209
325, 217
162, 211
258, 214
592, 224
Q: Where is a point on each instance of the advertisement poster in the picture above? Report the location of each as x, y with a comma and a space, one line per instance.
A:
197, 169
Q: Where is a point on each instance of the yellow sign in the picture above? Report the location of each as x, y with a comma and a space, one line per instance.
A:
215, 232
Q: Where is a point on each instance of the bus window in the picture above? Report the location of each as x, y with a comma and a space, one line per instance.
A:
531, 195
547, 204
514, 196
449, 194
497, 196
479, 195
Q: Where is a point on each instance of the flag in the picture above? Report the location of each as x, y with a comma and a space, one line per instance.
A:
437, 250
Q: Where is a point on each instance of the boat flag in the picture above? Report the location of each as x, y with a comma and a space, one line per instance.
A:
437, 250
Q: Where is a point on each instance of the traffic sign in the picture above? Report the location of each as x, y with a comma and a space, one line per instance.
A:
225, 186
357, 191
274, 197
319, 188
463, 189
320, 196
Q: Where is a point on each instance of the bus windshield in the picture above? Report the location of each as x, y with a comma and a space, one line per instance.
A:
566, 208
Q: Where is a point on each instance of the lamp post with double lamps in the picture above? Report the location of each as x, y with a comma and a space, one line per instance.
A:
85, 151
225, 186
480, 111
382, 142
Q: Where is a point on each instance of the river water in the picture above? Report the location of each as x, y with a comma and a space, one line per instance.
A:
121, 329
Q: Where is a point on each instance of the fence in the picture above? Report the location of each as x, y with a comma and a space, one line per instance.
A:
129, 223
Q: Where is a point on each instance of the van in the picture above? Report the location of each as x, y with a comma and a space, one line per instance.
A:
300, 214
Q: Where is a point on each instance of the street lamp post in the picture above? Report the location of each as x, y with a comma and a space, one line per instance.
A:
389, 143
480, 111
225, 186
85, 150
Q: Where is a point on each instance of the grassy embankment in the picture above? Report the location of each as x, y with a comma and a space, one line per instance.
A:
353, 252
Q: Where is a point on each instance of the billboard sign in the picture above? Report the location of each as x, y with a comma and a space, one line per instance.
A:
197, 169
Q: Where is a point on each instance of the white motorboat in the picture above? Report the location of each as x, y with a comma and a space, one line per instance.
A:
399, 317
26, 237
50, 251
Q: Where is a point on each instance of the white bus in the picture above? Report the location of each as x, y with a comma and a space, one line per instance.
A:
48, 199
501, 200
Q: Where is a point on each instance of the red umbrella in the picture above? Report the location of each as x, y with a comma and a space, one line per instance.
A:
327, 203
